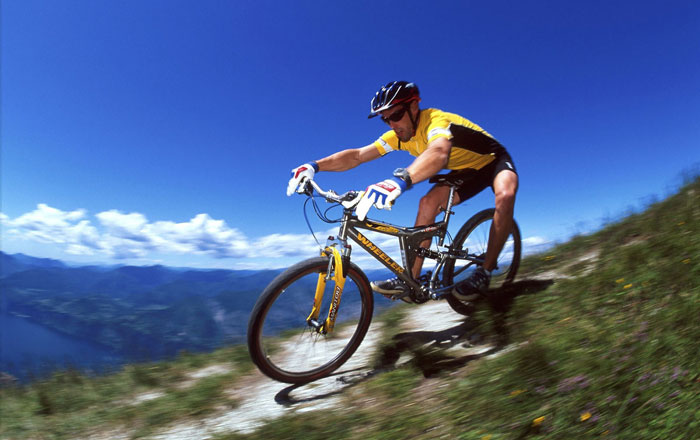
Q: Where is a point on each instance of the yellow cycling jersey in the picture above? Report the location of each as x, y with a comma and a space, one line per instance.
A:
472, 146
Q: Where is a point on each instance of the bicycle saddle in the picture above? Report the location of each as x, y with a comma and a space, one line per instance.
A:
447, 179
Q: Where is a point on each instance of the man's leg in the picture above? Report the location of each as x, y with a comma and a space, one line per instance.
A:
505, 185
429, 207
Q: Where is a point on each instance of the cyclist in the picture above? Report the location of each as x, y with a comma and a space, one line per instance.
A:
439, 140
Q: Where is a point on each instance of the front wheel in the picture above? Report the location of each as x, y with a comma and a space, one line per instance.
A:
285, 346
473, 238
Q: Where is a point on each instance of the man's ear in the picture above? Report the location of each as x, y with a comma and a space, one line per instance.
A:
414, 106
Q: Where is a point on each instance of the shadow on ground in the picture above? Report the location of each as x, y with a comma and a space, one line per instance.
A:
431, 352
501, 301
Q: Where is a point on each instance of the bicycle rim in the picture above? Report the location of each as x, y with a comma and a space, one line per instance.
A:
285, 346
475, 238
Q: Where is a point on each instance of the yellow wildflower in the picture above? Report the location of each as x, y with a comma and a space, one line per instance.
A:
620, 281
585, 416
627, 286
549, 258
538, 421
686, 261
516, 393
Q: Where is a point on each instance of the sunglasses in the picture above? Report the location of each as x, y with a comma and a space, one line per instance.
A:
396, 116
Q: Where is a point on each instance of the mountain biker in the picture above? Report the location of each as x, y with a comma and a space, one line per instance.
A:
439, 140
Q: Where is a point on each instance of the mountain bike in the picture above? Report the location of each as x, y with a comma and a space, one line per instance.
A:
298, 332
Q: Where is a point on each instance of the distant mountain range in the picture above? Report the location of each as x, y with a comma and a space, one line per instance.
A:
152, 311
140, 311
19, 262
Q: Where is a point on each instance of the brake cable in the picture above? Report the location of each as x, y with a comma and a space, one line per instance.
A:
322, 215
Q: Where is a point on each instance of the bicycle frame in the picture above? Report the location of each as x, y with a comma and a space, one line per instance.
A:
410, 238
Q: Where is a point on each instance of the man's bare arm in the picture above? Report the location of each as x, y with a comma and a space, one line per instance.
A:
431, 161
347, 159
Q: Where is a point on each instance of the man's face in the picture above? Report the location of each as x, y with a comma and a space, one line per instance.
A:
403, 127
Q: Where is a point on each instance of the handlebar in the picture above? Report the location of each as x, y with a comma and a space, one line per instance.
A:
330, 195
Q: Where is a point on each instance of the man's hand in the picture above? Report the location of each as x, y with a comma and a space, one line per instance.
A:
299, 174
381, 195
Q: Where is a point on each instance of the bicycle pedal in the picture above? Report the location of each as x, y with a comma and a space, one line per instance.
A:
439, 296
405, 297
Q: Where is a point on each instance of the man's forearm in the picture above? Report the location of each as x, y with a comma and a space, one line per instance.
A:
429, 163
347, 159
340, 161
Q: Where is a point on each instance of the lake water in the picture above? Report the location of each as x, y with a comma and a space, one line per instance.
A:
30, 350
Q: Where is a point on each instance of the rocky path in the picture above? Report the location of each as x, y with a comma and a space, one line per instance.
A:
262, 399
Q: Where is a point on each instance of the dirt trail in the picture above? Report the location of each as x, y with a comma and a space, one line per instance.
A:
263, 399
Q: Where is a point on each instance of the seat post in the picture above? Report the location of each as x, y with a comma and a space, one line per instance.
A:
448, 213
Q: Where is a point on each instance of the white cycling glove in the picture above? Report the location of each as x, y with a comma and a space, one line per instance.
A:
381, 195
299, 174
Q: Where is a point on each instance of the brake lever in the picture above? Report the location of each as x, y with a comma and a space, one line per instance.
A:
306, 188
350, 195
351, 198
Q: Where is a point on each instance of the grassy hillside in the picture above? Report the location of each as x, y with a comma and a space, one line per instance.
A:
605, 347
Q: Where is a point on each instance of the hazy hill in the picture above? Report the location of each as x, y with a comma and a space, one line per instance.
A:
144, 312
18, 262
149, 312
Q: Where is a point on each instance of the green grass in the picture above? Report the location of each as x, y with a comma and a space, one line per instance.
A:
610, 352
68, 403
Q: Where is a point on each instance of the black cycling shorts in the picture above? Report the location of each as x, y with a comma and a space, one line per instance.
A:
476, 181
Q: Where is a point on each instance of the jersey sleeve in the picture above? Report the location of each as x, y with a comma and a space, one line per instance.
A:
438, 126
387, 143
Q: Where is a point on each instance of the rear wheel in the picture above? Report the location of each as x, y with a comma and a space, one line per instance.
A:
473, 238
287, 348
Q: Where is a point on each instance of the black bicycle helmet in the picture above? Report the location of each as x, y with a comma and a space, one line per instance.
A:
394, 93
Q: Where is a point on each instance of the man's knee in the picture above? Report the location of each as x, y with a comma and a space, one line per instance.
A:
505, 202
505, 188
506, 196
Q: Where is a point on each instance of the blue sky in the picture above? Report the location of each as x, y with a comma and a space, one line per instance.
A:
142, 132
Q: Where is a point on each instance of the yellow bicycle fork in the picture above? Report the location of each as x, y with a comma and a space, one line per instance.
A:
335, 266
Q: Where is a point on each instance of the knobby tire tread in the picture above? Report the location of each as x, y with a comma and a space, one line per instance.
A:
273, 291
462, 235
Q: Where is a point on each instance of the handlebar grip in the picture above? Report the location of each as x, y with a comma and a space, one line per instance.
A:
306, 187
350, 195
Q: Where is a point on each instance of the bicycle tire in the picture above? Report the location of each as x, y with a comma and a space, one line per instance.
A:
475, 233
299, 356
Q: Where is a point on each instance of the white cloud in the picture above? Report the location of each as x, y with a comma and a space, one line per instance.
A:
50, 225
127, 226
535, 244
201, 234
131, 235
123, 236
284, 245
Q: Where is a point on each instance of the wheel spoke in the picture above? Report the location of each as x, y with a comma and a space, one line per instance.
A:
287, 347
473, 238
